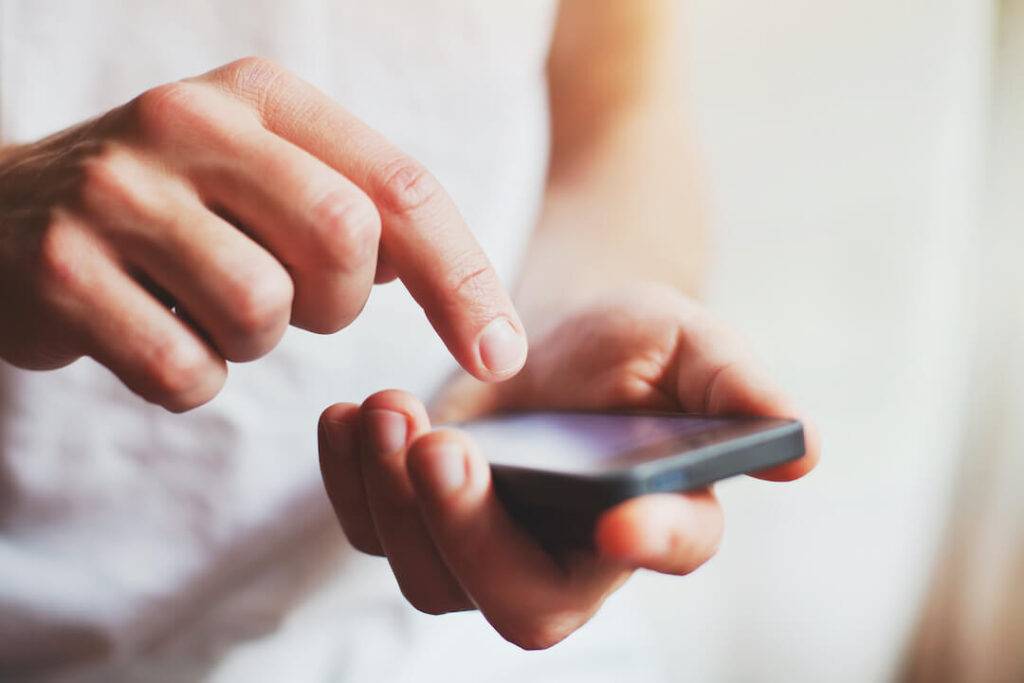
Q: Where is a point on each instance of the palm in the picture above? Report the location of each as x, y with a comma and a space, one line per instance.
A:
613, 355
643, 348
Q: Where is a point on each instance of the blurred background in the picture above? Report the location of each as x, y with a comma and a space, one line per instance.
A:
866, 162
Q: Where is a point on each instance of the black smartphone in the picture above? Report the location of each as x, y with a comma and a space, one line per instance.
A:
557, 471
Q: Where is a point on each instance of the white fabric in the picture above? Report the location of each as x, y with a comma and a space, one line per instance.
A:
140, 545
847, 142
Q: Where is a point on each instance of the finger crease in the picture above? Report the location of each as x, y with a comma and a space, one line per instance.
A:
471, 277
712, 382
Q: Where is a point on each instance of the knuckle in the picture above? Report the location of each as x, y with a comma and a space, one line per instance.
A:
472, 278
180, 375
468, 283
319, 322
543, 633
61, 267
434, 603
251, 72
252, 78
260, 303
348, 229
66, 264
387, 399
365, 543
106, 179
405, 187
711, 395
166, 109
632, 388
184, 402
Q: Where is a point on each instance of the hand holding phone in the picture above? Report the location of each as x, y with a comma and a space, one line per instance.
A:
557, 471
436, 502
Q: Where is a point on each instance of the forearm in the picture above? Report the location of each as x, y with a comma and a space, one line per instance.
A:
624, 199
632, 209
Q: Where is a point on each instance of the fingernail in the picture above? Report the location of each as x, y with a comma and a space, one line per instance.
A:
387, 430
502, 348
446, 468
339, 434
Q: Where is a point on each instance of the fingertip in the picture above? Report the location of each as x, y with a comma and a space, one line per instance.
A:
801, 466
399, 401
336, 429
392, 399
389, 399
339, 412
744, 390
613, 540
502, 348
789, 471
812, 441
668, 533
439, 467
620, 536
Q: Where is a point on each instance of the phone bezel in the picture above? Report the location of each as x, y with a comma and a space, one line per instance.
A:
741, 445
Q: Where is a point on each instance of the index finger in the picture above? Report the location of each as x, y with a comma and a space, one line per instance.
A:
423, 236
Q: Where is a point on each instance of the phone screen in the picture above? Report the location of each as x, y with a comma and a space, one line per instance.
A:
581, 442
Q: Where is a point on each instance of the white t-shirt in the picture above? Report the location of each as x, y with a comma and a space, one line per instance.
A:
142, 545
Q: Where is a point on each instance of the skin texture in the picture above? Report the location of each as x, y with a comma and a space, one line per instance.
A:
190, 226
625, 199
424, 500
623, 207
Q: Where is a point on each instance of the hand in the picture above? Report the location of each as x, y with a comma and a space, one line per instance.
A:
424, 498
189, 226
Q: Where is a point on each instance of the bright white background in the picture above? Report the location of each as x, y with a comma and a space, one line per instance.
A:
844, 142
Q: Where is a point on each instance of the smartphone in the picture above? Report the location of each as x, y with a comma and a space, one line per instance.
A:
557, 471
